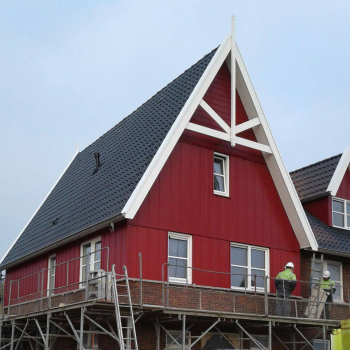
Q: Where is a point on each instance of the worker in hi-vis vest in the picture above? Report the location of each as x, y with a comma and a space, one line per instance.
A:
285, 283
329, 287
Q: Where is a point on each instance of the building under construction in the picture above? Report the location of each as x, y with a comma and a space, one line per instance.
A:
169, 230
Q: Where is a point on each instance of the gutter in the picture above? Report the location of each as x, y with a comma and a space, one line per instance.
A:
71, 238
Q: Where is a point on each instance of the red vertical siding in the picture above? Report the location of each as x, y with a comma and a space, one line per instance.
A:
344, 188
182, 200
321, 208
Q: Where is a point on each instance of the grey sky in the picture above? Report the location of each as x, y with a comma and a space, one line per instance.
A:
70, 70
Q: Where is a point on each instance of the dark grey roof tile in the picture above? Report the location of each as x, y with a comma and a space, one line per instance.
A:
81, 199
313, 180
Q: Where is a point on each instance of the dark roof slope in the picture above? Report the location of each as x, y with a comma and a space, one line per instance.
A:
81, 199
328, 237
314, 179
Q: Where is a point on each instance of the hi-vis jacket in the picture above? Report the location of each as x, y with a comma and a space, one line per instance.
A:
285, 282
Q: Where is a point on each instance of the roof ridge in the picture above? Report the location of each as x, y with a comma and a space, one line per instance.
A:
312, 164
153, 96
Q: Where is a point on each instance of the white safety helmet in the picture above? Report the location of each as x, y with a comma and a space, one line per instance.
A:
290, 264
326, 274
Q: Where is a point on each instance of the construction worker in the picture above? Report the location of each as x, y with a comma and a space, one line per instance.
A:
285, 283
329, 287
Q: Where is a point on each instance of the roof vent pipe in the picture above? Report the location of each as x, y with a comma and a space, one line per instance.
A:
97, 160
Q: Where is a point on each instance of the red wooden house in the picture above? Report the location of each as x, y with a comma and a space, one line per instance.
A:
167, 232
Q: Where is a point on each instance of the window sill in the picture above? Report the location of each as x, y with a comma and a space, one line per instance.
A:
221, 194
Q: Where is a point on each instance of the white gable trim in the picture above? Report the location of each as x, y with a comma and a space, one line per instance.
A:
262, 132
133, 204
339, 173
280, 176
26, 225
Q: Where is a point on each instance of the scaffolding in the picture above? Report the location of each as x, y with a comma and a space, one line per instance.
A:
110, 304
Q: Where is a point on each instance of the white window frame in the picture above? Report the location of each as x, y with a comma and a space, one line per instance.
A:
345, 214
174, 345
226, 174
249, 266
187, 238
325, 268
320, 341
92, 257
49, 275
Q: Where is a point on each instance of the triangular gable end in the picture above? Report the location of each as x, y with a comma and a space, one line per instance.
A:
339, 173
228, 52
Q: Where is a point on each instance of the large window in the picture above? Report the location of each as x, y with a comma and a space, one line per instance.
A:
90, 258
335, 268
51, 274
177, 335
221, 174
341, 213
249, 266
180, 258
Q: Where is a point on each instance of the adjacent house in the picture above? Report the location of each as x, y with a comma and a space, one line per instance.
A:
169, 230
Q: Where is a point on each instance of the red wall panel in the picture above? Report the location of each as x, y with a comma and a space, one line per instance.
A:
182, 200
321, 208
344, 188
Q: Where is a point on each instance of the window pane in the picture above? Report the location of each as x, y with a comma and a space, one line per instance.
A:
218, 166
239, 256
86, 250
334, 269
177, 271
219, 183
98, 251
316, 274
97, 266
338, 219
83, 272
258, 258
238, 277
338, 292
259, 278
178, 247
348, 207
319, 345
348, 220
338, 206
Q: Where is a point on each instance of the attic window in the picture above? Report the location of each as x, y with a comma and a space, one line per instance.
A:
221, 174
341, 213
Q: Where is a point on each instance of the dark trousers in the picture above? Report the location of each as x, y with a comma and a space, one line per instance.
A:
283, 306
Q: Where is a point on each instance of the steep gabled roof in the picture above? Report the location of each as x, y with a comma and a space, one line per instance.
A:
82, 199
328, 237
313, 180
134, 152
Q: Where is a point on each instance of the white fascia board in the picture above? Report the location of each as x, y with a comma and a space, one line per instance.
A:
339, 173
280, 176
136, 199
26, 225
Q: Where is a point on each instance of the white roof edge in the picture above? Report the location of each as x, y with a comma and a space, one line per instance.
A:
277, 169
31, 218
134, 202
339, 172
304, 224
